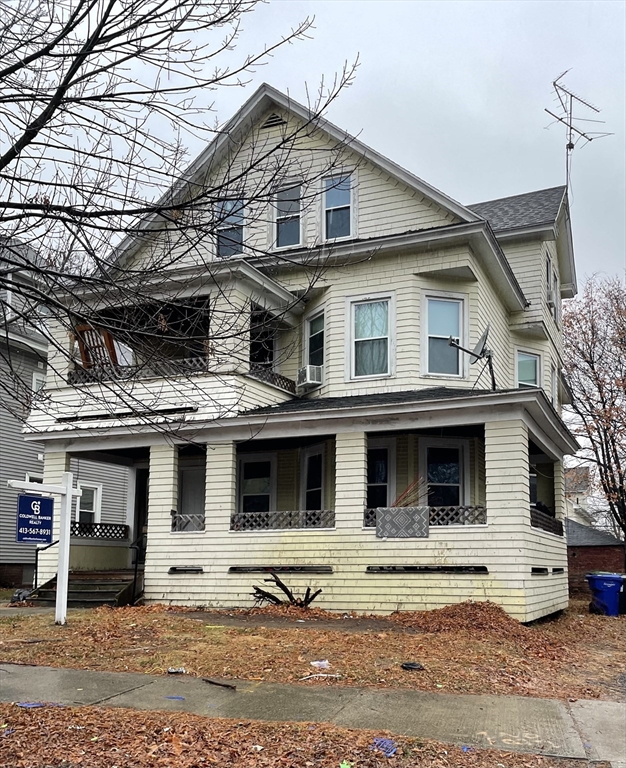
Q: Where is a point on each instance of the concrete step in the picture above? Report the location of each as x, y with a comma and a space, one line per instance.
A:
93, 586
73, 595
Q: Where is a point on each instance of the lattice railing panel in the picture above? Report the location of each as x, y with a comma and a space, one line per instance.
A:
159, 368
269, 377
111, 531
262, 521
465, 515
187, 523
546, 522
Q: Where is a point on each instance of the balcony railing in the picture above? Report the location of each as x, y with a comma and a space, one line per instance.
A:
464, 515
269, 377
546, 522
109, 531
264, 521
159, 369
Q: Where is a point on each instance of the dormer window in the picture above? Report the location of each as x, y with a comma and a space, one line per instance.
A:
230, 220
288, 217
337, 207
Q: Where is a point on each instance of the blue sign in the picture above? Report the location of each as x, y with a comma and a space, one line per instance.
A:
34, 519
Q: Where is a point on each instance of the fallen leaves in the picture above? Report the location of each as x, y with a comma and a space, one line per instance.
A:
467, 648
120, 738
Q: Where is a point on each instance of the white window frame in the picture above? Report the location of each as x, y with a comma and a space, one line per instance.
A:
306, 453
445, 442
38, 376
185, 464
321, 310
224, 226
351, 302
274, 218
97, 511
554, 392
253, 457
351, 174
463, 337
531, 353
33, 477
390, 444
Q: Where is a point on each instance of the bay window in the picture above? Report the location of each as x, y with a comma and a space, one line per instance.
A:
370, 338
444, 321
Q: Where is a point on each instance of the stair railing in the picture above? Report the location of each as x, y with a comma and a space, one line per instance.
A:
139, 545
37, 551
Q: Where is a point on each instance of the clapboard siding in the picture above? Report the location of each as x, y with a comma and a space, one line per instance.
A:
17, 457
114, 482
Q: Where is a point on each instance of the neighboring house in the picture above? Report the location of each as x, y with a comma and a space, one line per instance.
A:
591, 550
23, 353
291, 477
577, 487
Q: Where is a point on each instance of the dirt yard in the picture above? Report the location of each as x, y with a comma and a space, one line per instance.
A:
68, 737
470, 648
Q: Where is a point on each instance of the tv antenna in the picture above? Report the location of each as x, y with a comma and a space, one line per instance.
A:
567, 102
480, 352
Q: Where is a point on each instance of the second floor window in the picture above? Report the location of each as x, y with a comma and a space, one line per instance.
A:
315, 340
370, 323
527, 370
230, 219
288, 217
444, 322
337, 207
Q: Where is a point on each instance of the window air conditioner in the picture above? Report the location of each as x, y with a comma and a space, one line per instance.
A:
309, 376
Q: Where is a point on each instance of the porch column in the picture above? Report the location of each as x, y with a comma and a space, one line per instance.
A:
350, 479
506, 473
162, 499
221, 486
559, 490
55, 463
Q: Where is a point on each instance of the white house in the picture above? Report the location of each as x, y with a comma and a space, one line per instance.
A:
275, 452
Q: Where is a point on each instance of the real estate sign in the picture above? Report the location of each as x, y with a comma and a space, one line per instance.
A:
34, 519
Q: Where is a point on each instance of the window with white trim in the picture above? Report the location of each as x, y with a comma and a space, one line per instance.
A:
445, 321
554, 387
315, 340
39, 380
337, 207
371, 347
89, 503
229, 224
33, 478
257, 480
528, 373
288, 216
313, 478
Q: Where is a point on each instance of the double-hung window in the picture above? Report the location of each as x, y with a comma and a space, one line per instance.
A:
527, 370
88, 505
378, 477
229, 221
256, 484
39, 380
445, 321
370, 338
191, 498
337, 207
288, 216
444, 474
315, 340
313, 472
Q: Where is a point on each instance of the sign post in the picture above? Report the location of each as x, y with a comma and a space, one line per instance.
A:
35, 514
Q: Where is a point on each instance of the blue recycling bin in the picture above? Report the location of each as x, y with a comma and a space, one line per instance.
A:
605, 589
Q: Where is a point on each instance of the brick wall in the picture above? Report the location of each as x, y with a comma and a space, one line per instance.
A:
582, 560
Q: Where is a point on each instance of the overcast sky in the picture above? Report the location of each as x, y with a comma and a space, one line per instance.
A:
455, 92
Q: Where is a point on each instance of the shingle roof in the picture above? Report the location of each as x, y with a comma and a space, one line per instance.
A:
528, 210
579, 535
382, 398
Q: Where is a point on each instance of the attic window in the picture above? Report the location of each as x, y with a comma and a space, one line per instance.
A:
273, 120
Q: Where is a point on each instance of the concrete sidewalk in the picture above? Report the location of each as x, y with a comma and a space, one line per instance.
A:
584, 729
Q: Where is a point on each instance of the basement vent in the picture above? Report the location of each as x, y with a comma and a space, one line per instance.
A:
280, 569
273, 120
539, 571
184, 569
558, 570
426, 569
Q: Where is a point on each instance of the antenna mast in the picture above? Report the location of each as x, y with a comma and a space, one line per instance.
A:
567, 101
